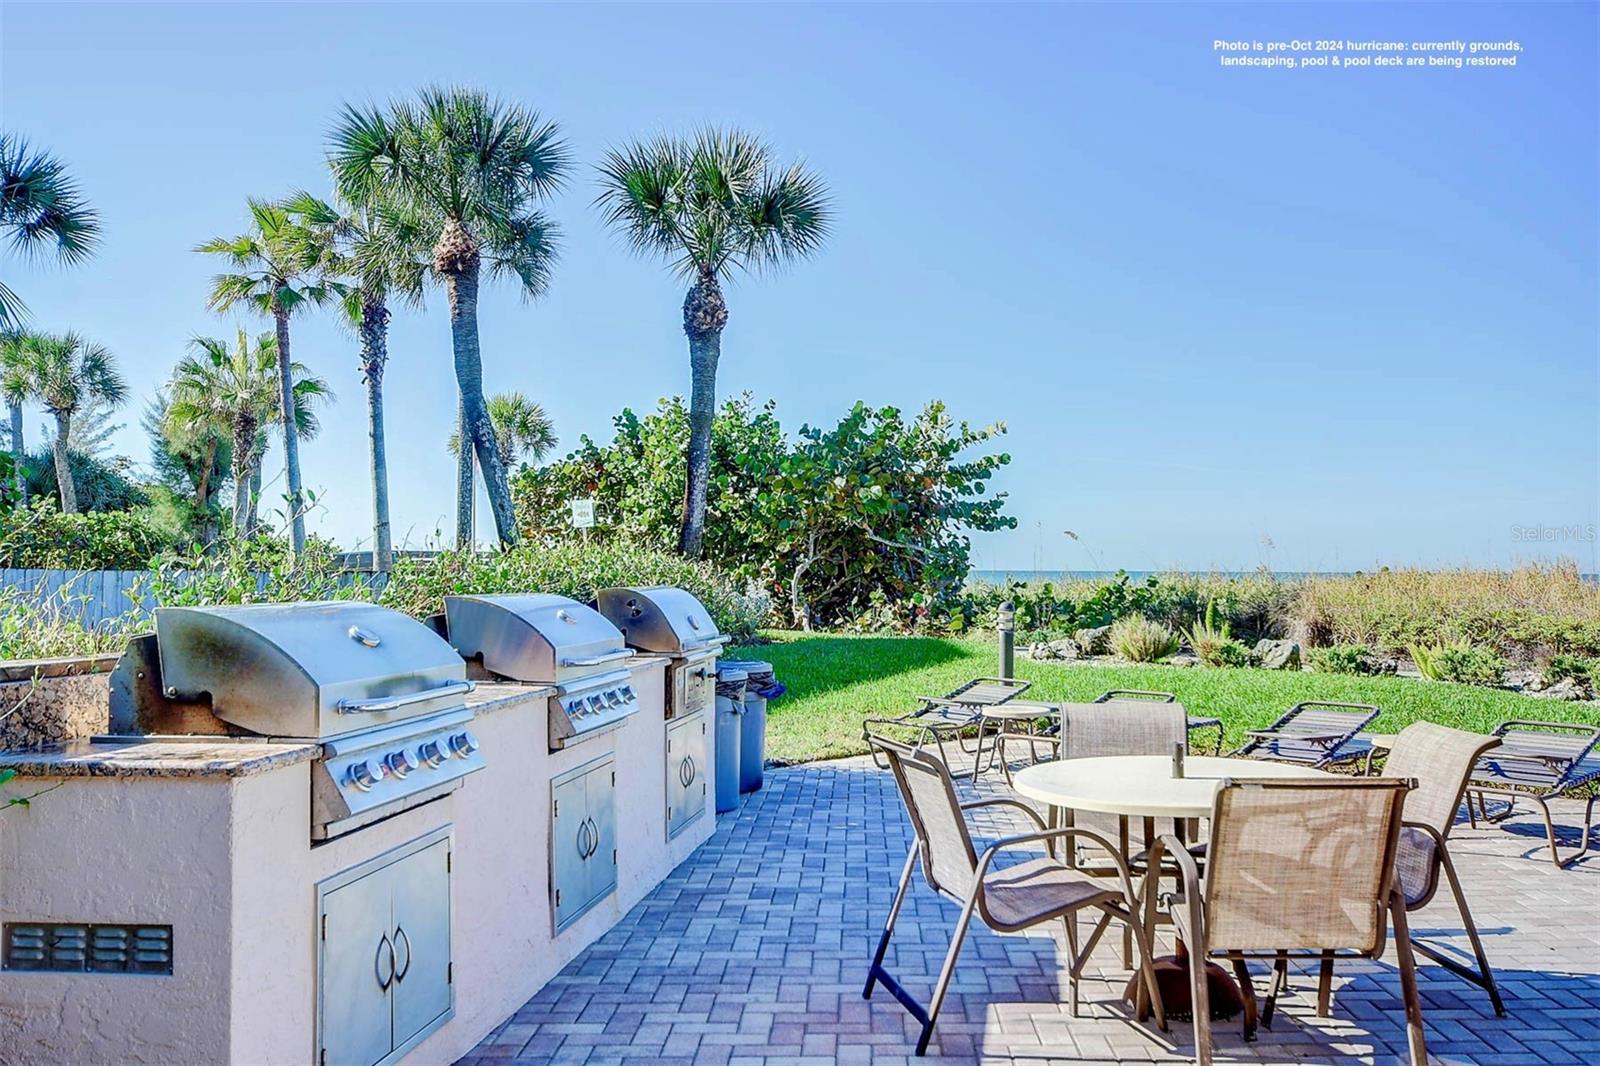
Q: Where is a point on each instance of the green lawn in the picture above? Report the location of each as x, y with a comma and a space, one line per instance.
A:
836, 681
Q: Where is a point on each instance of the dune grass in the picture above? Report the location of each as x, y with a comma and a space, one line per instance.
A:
836, 681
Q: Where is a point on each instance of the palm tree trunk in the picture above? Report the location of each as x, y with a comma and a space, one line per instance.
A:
253, 517
244, 441
69, 491
466, 489
208, 522
462, 287
17, 453
374, 355
291, 440
704, 315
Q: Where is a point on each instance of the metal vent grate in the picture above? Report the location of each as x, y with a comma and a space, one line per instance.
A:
73, 948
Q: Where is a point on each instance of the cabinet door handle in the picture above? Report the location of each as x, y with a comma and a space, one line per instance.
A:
686, 771
400, 935
385, 977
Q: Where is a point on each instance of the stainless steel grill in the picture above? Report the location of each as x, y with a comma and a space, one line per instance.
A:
669, 621
550, 640
382, 693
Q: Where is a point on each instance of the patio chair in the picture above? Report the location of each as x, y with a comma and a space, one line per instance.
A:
1441, 761
1197, 723
1315, 733
1538, 761
1007, 900
952, 714
1294, 867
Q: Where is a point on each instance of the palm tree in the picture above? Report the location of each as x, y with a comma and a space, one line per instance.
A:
224, 393
279, 267
40, 206
378, 247
711, 204
14, 387
475, 168
63, 372
521, 429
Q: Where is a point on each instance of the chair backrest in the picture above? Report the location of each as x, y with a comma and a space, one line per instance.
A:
1440, 760
1549, 756
1317, 717
1302, 865
949, 860
1122, 727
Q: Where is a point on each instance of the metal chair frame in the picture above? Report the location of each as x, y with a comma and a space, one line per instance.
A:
1328, 748
1567, 767
975, 902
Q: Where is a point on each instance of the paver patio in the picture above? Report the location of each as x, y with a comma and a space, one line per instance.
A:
755, 951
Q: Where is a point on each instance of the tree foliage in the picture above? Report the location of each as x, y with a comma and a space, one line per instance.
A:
863, 523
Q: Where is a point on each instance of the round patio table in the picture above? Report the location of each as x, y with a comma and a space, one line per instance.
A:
1142, 786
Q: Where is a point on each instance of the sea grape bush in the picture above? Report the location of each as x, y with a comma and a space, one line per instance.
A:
864, 523
41, 537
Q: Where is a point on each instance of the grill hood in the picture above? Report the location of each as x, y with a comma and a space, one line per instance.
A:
661, 619
307, 669
535, 637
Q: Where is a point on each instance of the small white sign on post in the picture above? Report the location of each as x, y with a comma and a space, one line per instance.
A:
582, 513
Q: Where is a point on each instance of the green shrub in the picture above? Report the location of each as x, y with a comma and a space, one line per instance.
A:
1576, 667
576, 569
1140, 640
1348, 659
30, 630
1213, 641
1458, 661
41, 537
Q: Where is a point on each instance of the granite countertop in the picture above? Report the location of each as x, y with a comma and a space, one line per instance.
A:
492, 696
158, 757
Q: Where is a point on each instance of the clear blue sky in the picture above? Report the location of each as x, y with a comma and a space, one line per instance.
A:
1351, 315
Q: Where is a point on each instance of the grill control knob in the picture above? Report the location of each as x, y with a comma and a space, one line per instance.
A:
463, 744
400, 763
431, 754
365, 774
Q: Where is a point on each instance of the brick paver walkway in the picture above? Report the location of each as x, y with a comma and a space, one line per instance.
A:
755, 951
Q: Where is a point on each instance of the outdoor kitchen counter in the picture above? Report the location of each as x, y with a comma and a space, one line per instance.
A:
157, 758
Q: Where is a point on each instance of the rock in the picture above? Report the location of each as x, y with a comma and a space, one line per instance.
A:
1053, 649
1183, 658
1278, 654
1568, 688
1093, 641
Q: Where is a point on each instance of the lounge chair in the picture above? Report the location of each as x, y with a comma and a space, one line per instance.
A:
1315, 733
1008, 900
1294, 867
1196, 722
1441, 761
952, 714
1538, 761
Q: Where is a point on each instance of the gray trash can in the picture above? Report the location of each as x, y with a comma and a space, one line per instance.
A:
730, 711
753, 730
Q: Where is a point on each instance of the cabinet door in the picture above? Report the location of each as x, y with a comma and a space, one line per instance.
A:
356, 956
602, 791
570, 839
421, 937
686, 772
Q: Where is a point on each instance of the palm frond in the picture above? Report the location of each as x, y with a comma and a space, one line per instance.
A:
41, 205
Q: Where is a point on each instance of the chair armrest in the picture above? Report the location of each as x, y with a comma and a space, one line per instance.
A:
1061, 834
1317, 738
1167, 844
1438, 837
1001, 802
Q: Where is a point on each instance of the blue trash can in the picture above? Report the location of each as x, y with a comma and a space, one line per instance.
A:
753, 730
730, 714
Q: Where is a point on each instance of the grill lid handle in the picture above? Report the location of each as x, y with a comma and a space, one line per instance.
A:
364, 637
394, 703
599, 660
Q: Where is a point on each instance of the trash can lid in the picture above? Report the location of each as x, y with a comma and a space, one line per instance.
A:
732, 672
755, 670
